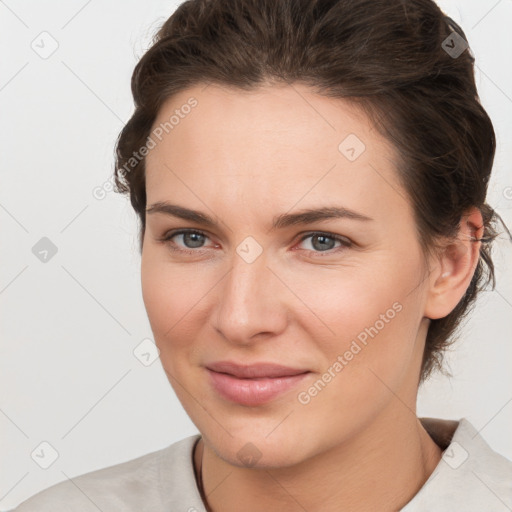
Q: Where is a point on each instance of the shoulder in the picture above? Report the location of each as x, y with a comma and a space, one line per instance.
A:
134, 485
470, 476
484, 474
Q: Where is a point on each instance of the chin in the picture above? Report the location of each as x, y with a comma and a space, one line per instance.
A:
254, 455
253, 449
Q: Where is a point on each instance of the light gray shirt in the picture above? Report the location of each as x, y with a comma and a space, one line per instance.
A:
470, 477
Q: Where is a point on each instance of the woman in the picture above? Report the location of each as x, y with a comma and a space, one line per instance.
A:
311, 179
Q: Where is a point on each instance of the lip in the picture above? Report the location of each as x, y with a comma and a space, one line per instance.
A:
257, 370
254, 384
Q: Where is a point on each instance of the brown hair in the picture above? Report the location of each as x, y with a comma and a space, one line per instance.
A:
391, 57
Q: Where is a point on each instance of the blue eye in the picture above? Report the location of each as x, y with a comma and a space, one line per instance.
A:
326, 240
191, 235
193, 240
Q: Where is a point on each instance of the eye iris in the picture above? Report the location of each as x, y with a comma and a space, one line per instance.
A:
187, 236
322, 238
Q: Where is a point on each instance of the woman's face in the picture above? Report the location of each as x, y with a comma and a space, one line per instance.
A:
338, 298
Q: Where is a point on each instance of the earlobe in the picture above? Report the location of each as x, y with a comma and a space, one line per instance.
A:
455, 267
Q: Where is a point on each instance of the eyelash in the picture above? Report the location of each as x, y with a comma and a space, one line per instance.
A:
345, 243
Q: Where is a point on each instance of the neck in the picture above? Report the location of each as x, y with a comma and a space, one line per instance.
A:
387, 464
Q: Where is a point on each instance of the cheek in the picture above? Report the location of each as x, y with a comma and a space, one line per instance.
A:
167, 294
175, 298
346, 300
366, 361
367, 316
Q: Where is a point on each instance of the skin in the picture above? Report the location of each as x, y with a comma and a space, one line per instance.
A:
244, 158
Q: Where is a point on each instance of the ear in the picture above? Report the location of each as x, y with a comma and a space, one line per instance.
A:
453, 268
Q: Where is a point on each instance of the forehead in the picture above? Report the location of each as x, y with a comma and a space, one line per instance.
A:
276, 144
289, 116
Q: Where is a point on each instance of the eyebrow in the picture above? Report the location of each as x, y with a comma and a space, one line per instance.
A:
306, 216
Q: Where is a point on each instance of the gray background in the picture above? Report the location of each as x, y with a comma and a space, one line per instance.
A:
68, 374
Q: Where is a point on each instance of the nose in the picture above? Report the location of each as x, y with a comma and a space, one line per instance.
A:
252, 303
